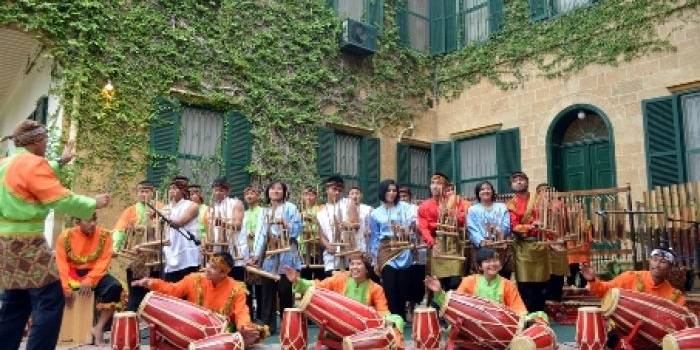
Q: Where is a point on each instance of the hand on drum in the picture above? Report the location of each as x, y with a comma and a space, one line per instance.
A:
587, 272
69, 299
432, 283
144, 282
291, 274
85, 289
250, 335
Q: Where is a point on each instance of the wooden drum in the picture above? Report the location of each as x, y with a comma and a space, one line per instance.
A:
537, 337
125, 331
340, 315
426, 329
294, 334
686, 339
590, 328
382, 338
223, 341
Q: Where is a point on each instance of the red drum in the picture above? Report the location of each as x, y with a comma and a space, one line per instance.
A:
372, 339
341, 315
125, 331
590, 328
293, 332
537, 337
178, 321
223, 341
657, 316
686, 339
481, 321
426, 329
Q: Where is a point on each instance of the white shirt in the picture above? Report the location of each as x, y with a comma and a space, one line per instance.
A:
225, 210
363, 230
327, 217
182, 252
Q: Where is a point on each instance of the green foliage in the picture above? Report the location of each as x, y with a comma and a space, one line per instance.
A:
278, 63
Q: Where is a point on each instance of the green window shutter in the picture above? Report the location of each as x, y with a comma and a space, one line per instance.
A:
402, 24
403, 164
539, 9
237, 153
325, 152
496, 16
662, 134
369, 169
437, 27
442, 157
375, 13
332, 4
450, 13
508, 153
164, 134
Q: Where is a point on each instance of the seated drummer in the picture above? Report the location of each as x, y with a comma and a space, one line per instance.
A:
213, 290
83, 255
354, 284
488, 284
654, 281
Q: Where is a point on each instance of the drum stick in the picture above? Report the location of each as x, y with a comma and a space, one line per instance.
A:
257, 271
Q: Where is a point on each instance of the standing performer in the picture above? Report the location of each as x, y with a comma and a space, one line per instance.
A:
389, 223
29, 188
182, 256
197, 197
133, 216
487, 223
354, 284
355, 207
420, 255
428, 217
310, 230
214, 290
231, 211
654, 282
252, 219
329, 218
531, 256
83, 255
279, 220
558, 259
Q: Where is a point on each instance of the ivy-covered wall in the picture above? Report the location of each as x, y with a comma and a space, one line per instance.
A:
278, 63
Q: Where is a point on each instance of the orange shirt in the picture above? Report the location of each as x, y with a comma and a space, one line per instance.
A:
640, 281
509, 292
77, 251
517, 207
375, 298
227, 298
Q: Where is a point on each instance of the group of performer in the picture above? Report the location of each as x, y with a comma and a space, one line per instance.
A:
260, 257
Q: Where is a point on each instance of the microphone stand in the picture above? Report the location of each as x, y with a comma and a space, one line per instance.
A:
187, 234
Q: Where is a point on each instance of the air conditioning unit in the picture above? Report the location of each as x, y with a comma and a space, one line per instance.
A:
358, 38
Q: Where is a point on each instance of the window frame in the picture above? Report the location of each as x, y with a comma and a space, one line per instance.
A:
359, 178
415, 187
684, 144
367, 6
551, 14
458, 167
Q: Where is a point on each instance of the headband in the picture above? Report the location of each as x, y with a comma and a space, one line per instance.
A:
664, 254
220, 263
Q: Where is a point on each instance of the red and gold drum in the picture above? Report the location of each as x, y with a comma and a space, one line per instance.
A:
372, 339
657, 316
481, 321
293, 331
125, 331
223, 341
179, 322
341, 315
590, 328
426, 329
537, 337
686, 339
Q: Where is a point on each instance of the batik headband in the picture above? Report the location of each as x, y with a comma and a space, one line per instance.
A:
664, 254
220, 263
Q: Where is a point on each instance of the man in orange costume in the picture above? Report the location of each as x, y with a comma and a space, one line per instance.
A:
654, 281
83, 255
355, 285
213, 290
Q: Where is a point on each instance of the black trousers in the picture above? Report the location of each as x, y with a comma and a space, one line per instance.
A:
108, 289
575, 270
313, 273
272, 292
555, 287
533, 294
178, 275
396, 284
416, 278
136, 294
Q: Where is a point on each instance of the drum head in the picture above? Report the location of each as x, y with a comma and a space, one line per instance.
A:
670, 342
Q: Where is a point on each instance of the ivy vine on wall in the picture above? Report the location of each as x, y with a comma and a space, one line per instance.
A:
278, 63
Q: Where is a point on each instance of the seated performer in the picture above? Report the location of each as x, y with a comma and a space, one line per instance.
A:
214, 290
83, 255
354, 284
654, 281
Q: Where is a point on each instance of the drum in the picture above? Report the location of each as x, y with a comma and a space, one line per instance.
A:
371, 339
179, 322
293, 332
426, 329
224, 341
482, 321
125, 331
77, 321
657, 316
537, 337
686, 339
340, 315
590, 328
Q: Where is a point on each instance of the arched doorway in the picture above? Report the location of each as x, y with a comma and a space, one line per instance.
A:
580, 150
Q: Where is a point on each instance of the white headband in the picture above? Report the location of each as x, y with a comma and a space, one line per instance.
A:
664, 254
